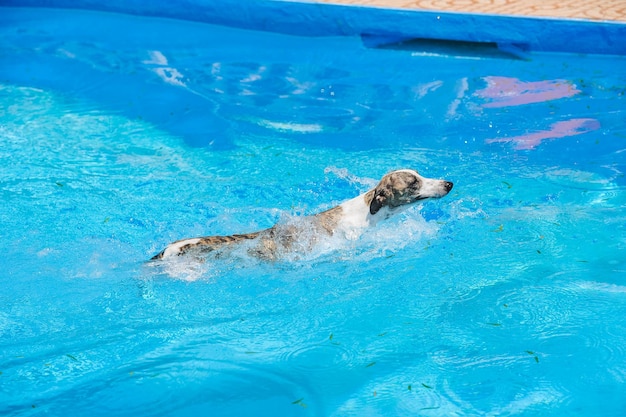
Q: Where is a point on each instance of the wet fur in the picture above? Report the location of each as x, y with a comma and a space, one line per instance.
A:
395, 190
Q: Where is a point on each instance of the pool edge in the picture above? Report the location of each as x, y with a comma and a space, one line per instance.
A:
328, 19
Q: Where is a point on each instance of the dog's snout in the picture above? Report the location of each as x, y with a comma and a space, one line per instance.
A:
448, 185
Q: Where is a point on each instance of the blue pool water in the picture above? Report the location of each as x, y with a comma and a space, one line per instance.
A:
120, 134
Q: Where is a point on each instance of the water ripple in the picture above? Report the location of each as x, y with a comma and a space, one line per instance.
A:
320, 358
168, 384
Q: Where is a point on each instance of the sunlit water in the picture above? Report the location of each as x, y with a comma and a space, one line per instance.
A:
120, 134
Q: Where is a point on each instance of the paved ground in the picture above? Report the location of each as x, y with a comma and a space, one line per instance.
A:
610, 10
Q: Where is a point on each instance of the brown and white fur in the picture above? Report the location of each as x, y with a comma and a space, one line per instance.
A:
395, 191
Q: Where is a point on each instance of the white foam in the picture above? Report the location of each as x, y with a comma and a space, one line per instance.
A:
184, 268
292, 127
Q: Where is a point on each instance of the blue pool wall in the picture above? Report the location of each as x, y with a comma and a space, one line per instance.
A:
315, 19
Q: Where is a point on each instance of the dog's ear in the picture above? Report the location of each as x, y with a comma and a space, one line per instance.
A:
380, 200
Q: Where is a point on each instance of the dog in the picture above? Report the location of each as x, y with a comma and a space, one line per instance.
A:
395, 191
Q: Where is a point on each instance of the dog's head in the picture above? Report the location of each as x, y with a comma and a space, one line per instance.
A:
405, 186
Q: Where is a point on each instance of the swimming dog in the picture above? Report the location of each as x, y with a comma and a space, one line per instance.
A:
395, 191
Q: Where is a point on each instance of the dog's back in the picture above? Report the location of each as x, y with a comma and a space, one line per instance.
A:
202, 244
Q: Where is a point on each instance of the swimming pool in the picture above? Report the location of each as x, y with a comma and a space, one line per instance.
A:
122, 133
